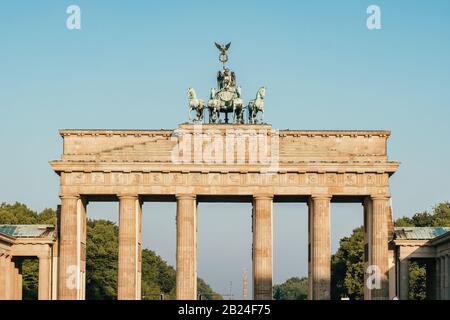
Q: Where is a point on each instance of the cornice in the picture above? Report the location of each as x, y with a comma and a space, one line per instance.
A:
335, 133
170, 132
114, 132
301, 167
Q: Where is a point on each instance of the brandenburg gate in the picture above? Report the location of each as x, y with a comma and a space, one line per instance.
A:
242, 161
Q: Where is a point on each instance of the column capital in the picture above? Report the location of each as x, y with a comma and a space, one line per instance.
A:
263, 196
69, 196
321, 196
380, 197
186, 196
125, 196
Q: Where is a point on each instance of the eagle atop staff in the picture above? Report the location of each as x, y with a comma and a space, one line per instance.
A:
223, 57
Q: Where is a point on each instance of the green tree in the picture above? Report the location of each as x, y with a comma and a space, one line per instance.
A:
417, 281
206, 292
441, 215
347, 267
292, 289
30, 271
102, 252
19, 213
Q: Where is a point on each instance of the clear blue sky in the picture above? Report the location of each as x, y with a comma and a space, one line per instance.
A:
131, 63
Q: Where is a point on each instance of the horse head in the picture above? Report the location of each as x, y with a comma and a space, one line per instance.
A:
213, 93
262, 92
191, 93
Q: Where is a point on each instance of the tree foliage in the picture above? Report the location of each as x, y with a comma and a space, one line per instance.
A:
292, 289
439, 217
102, 246
19, 213
347, 267
417, 281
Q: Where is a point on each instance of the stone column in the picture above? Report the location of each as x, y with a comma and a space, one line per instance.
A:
437, 262
82, 248
7, 288
378, 259
14, 278
442, 278
186, 269
129, 248
404, 279
447, 272
19, 291
262, 247
319, 248
3, 276
45, 278
55, 272
367, 205
70, 268
11, 280
446, 276
17, 278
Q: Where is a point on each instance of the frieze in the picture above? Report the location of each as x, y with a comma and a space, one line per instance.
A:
225, 178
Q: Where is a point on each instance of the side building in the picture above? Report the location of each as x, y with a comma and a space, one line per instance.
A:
429, 246
19, 242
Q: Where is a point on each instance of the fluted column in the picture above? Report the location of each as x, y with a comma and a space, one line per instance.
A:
72, 222
19, 289
14, 281
3, 276
11, 280
129, 248
404, 279
7, 278
443, 278
367, 205
446, 277
437, 262
55, 251
319, 248
45, 278
17, 278
186, 268
378, 242
262, 247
